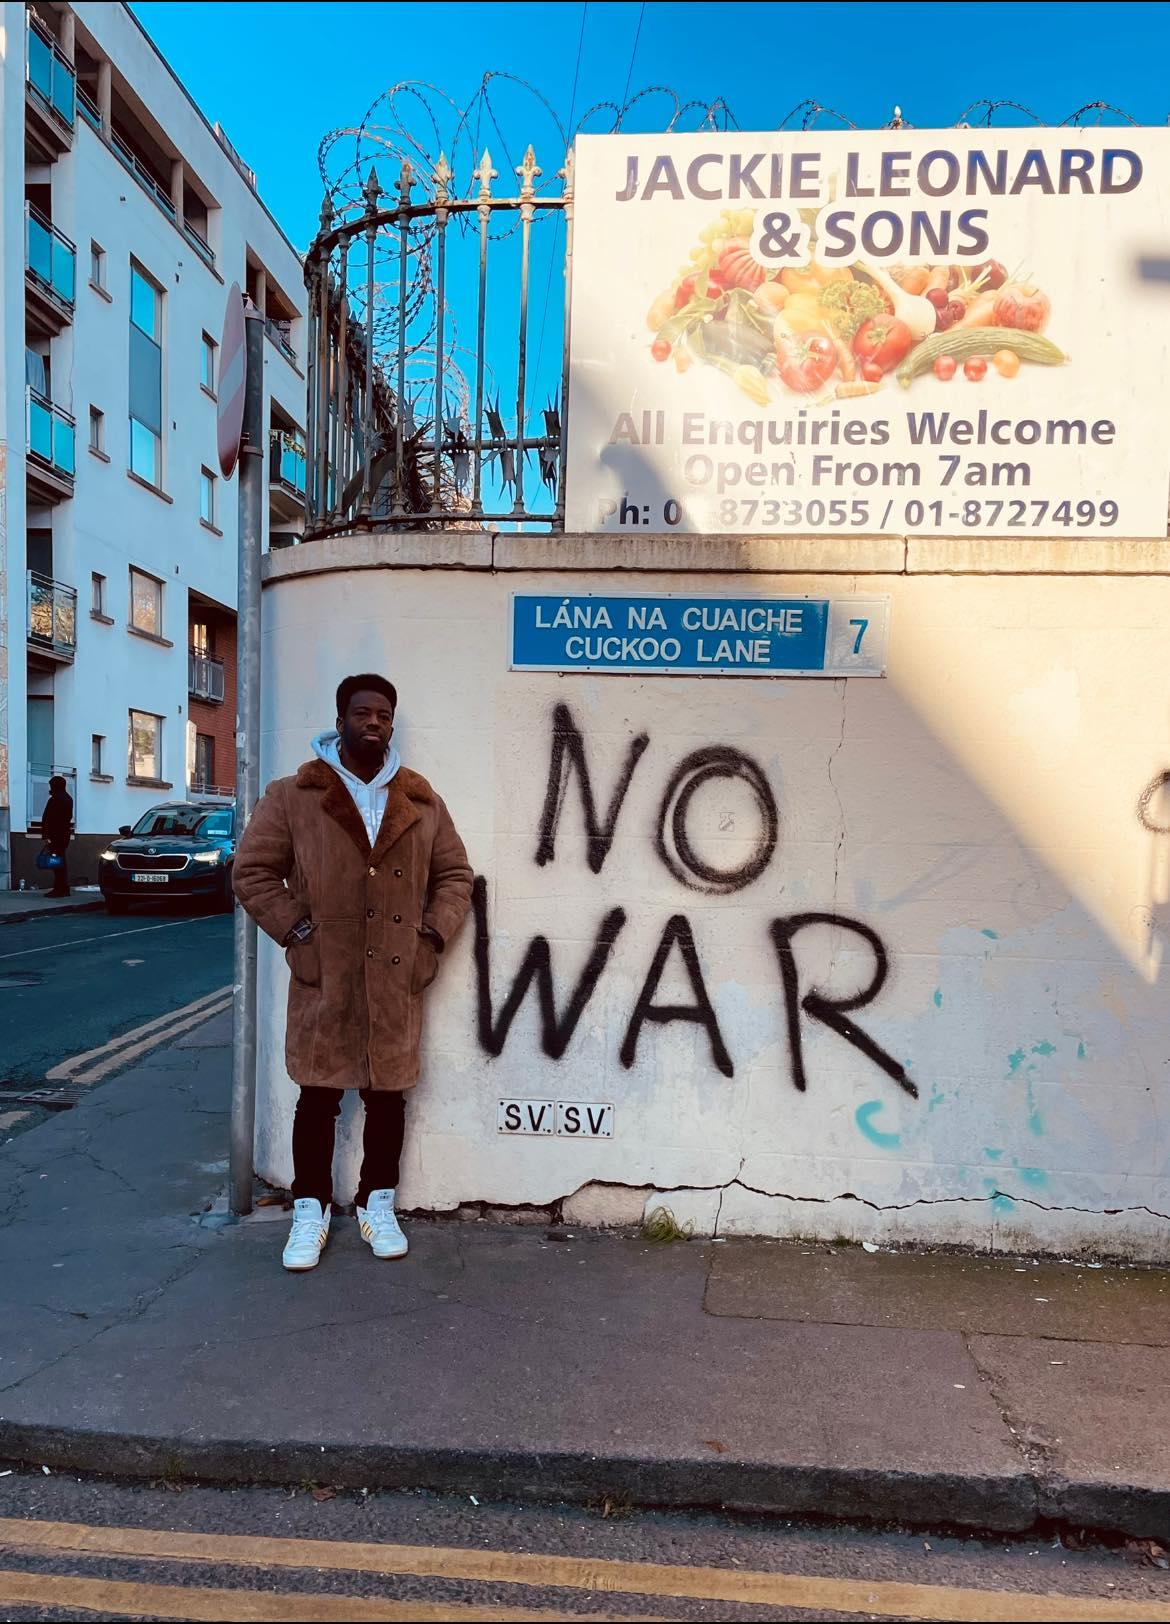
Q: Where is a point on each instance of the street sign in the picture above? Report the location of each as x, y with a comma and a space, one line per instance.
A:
233, 372
665, 635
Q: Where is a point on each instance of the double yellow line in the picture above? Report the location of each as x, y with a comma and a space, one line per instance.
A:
95, 1064
885, 1599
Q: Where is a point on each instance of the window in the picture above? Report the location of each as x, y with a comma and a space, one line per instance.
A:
207, 364
97, 430
145, 377
207, 496
97, 265
146, 605
200, 642
205, 769
98, 606
95, 755
145, 745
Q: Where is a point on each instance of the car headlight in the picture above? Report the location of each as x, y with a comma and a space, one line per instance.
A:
208, 856
109, 855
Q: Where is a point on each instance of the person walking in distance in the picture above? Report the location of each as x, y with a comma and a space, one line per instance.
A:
354, 866
57, 832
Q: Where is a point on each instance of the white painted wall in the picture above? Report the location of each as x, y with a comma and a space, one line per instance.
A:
977, 809
111, 523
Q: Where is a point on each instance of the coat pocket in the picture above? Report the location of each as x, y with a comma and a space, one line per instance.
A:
304, 960
426, 966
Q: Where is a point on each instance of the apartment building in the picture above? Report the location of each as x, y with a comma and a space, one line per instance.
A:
125, 218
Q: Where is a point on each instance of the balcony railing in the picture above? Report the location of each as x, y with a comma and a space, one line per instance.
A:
51, 258
277, 332
142, 175
38, 789
287, 461
51, 435
50, 76
210, 792
52, 616
204, 677
199, 243
89, 109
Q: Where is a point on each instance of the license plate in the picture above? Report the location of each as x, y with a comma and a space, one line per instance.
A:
150, 879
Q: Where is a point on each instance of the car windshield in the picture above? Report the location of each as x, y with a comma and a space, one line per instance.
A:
180, 820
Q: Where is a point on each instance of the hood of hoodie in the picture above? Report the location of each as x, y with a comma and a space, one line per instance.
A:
370, 799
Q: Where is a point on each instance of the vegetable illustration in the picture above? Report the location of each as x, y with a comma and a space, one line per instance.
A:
882, 341
840, 331
1022, 306
805, 362
978, 341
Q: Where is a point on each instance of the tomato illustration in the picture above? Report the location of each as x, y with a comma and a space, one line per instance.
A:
805, 361
884, 340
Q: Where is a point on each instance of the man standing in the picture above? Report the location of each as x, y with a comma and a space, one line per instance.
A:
57, 831
355, 868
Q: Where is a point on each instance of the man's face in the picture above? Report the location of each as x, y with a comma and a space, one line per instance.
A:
367, 726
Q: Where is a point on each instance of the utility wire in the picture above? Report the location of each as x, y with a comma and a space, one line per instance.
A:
633, 54
552, 256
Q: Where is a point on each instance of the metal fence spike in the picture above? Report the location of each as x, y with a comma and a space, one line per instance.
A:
528, 172
443, 178
485, 174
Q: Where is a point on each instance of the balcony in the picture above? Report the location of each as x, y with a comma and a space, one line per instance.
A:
200, 789
278, 332
51, 97
38, 789
199, 243
204, 677
50, 278
286, 475
89, 109
143, 176
51, 434
52, 620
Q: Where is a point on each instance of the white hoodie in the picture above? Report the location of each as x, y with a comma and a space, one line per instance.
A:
370, 799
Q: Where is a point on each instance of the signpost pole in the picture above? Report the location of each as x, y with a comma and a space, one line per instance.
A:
251, 465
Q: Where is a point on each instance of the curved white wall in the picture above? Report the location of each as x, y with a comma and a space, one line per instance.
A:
977, 811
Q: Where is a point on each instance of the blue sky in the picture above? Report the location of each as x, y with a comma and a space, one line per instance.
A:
279, 76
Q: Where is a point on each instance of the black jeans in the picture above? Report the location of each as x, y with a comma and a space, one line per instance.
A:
312, 1142
60, 886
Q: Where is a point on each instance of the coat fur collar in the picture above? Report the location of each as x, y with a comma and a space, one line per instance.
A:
403, 791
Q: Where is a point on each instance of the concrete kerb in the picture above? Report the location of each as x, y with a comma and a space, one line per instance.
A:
22, 915
998, 1505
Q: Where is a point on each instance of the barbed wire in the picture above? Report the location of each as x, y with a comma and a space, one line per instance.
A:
417, 122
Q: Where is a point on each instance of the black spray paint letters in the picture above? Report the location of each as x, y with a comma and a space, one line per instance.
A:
568, 755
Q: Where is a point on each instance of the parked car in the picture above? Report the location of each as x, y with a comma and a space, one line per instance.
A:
179, 849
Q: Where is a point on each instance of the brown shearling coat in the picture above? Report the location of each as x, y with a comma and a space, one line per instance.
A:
355, 997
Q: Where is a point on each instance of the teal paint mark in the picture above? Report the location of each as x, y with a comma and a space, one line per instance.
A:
936, 1098
1015, 1061
884, 1141
1033, 1175
1035, 1121
991, 1154
1044, 1048
999, 1201
1080, 1051
992, 935
938, 998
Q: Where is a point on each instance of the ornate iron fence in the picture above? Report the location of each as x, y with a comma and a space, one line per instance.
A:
398, 435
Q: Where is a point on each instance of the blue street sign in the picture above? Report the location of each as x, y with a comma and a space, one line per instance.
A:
668, 635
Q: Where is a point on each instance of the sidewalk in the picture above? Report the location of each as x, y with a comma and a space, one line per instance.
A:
18, 906
137, 1336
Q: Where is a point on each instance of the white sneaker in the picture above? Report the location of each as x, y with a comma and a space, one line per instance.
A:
307, 1237
379, 1225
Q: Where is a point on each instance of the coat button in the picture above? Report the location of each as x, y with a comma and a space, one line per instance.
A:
369, 952
397, 873
398, 919
369, 913
373, 871
396, 959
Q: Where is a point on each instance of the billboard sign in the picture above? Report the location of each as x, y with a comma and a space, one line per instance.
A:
926, 332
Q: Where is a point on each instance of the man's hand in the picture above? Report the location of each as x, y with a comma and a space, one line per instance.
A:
300, 932
431, 935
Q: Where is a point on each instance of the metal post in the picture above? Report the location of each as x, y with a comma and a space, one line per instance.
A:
251, 476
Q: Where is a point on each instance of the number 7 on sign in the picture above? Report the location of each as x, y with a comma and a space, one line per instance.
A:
861, 630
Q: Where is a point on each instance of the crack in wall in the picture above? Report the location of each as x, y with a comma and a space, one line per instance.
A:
875, 1206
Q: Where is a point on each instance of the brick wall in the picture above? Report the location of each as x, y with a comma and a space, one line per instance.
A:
219, 720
